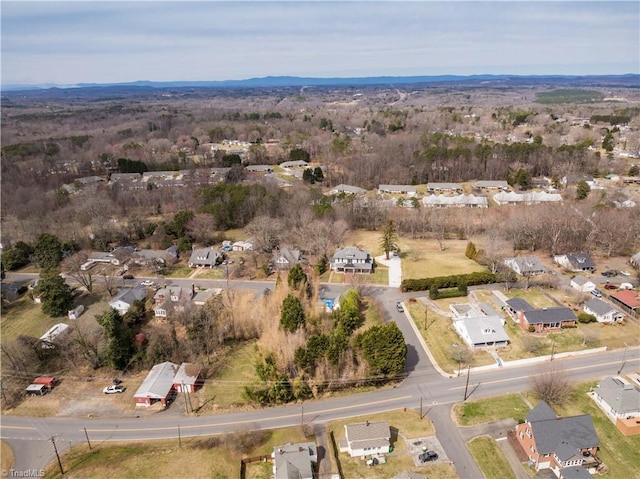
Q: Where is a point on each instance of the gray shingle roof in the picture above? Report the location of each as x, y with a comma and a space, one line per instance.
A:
367, 434
484, 329
549, 315
526, 264
564, 436
599, 307
519, 304
575, 472
624, 398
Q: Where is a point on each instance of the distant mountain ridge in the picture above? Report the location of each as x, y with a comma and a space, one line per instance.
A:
630, 79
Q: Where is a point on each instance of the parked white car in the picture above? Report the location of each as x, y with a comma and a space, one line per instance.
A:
626, 286
147, 282
113, 389
625, 273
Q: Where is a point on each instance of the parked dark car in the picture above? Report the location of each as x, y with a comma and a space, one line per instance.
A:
610, 286
128, 276
610, 274
428, 456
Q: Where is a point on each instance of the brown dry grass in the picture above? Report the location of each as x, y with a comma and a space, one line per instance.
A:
7, 459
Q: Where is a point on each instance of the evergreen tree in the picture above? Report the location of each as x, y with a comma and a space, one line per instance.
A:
582, 190
389, 239
318, 174
119, 348
292, 315
296, 276
48, 251
384, 349
55, 294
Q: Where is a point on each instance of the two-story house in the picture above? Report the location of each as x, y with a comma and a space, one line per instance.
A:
554, 442
351, 260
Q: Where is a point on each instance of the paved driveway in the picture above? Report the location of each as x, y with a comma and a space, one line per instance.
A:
395, 269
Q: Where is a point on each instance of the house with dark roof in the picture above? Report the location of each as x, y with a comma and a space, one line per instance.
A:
574, 472
604, 312
366, 439
515, 305
126, 297
294, 461
204, 258
171, 298
285, 257
620, 401
553, 442
351, 260
575, 262
546, 319
525, 265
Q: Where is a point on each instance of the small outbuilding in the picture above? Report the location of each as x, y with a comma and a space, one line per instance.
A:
187, 379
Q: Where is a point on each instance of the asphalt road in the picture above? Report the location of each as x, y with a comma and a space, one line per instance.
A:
423, 385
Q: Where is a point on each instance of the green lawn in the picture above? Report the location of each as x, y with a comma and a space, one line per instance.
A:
489, 457
440, 336
533, 296
471, 413
24, 317
179, 272
225, 386
215, 273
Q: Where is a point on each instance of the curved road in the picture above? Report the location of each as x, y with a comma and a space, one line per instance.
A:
30, 437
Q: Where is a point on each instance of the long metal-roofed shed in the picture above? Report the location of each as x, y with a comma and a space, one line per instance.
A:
157, 386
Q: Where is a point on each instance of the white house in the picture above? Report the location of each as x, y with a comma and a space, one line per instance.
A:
525, 265
126, 297
242, 246
582, 284
617, 398
398, 189
351, 260
294, 460
603, 312
481, 331
366, 439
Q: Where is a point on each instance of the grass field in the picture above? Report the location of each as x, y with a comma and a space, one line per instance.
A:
440, 336
226, 387
489, 457
471, 413
167, 459
24, 317
6, 456
408, 425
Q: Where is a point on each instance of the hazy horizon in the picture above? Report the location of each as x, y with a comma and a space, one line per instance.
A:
72, 42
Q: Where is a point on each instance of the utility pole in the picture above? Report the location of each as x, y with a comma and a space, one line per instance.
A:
57, 455
624, 358
87, 436
553, 349
179, 437
466, 388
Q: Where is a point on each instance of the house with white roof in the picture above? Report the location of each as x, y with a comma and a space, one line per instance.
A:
458, 201
478, 329
444, 188
57, 331
157, 386
294, 461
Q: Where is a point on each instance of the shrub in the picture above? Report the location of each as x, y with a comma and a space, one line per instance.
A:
586, 318
453, 281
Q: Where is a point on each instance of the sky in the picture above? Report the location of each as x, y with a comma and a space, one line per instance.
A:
121, 41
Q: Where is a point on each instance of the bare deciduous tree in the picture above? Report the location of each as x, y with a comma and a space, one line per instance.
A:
552, 385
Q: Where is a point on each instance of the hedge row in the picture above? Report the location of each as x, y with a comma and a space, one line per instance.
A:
448, 293
453, 281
